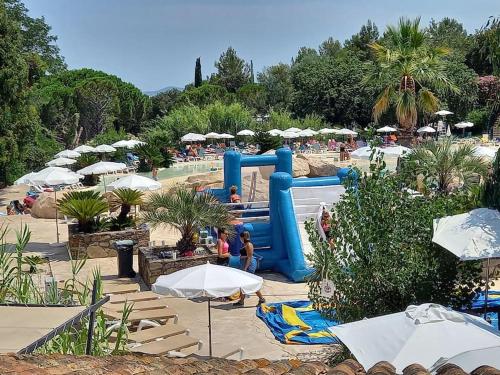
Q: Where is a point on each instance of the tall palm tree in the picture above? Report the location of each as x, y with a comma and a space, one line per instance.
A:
187, 211
409, 68
442, 164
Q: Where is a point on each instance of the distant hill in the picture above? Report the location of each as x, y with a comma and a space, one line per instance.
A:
153, 93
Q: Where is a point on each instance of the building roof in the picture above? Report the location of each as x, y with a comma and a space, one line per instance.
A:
142, 364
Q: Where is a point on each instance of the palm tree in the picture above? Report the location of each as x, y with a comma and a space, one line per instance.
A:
127, 198
84, 206
187, 211
442, 164
408, 68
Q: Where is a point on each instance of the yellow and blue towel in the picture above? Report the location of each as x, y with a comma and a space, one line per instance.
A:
297, 322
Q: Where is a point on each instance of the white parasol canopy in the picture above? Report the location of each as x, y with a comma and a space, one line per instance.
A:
226, 136
386, 129
135, 182
53, 176
193, 137
426, 129
246, 133
131, 143
102, 167
276, 132
59, 162
485, 152
327, 131
421, 334
443, 112
472, 359
393, 151
307, 133
83, 149
24, 179
212, 135
105, 148
289, 135
293, 130
464, 124
346, 131
68, 154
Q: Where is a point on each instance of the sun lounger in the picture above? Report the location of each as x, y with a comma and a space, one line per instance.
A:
134, 297
155, 333
170, 344
139, 305
161, 314
120, 288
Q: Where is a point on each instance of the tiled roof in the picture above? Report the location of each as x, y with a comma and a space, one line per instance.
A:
59, 364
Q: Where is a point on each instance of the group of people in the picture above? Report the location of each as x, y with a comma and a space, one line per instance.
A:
17, 208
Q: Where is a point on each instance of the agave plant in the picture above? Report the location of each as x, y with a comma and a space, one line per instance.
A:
127, 198
187, 211
442, 164
84, 206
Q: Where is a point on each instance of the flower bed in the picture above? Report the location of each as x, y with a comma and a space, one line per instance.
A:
151, 266
101, 244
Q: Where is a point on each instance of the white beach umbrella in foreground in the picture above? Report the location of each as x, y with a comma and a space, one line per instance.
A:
210, 281
53, 176
386, 129
135, 182
83, 149
421, 334
443, 112
193, 137
59, 162
327, 131
346, 131
71, 154
102, 167
472, 359
275, 132
105, 148
246, 133
485, 152
426, 129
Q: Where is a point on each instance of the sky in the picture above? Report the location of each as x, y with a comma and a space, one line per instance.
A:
154, 43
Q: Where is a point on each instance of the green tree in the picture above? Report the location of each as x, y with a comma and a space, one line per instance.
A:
252, 76
277, 83
266, 142
228, 118
449, 33
232, 71
382, 257
484, 55
253, 95
188, 212
491, 189
203, 95
330, 47
408, 68
198, 78
164, 102
360, 42
182, 120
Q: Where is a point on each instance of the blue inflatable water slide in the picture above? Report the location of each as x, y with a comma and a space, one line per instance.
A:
277, 226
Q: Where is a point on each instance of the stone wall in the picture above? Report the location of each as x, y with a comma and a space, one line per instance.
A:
151, 266
101, 245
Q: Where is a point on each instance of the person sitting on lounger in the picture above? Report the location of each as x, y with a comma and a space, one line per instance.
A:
222, 248
249, 264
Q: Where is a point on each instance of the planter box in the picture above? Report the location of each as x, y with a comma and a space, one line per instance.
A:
151, 266
100, 245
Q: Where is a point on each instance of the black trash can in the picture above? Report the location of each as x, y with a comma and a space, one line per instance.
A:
125, 250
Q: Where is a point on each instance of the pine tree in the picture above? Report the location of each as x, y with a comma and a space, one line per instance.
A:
491, 192
252, 77
198, 78
232, 71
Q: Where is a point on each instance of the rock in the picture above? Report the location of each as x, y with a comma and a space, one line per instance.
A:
319, 167
267, 171
208, 178
44, 207
300, 167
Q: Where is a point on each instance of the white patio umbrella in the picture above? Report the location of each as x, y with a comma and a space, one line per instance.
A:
212, 135
246, 133
293, 130
193, 137
59, 162
24, 180
474, 235
472, 359
131, 143
289, 135
307, 133
443, 112
327, 131
365, 152
386, 129
105, 149
83, 149
209, 281
102, 167
426, 129
226, 136
421, 334
463, 125
71, 154
135, 182
275, 132
485, 152
346, 131
53, 176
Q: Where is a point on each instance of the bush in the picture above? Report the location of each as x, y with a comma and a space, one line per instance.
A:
382, 257
480, 118
266, 141
85, 206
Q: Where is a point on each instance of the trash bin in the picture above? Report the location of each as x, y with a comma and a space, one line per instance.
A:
125, 251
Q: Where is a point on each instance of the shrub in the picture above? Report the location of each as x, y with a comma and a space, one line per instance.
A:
84, 206
266, 141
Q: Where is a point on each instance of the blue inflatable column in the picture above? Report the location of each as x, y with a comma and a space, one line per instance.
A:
284, 160
279, 181
232, 170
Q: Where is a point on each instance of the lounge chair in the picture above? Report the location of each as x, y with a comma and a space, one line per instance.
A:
167, 345
136, 316
119, 286
154, 333
151, 304
133, 297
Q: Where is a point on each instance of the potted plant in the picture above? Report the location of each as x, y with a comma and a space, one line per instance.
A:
125, 198
187, 211
84, 206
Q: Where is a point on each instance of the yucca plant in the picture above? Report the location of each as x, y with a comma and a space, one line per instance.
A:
187, 211
127, 198
84, 206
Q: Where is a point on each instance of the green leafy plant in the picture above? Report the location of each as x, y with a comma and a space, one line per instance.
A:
84, 206
126, 198
186, 211
149, 157
266, 142
491, 188
33, 261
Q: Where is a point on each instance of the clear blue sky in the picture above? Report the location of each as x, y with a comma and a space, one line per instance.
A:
154, 43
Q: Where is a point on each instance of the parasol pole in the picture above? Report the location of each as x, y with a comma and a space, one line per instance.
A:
209, 329
487, 287
57, 221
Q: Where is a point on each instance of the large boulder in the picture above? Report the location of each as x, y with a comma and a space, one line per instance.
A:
267, 170
319, 167
300, 167
44, 206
